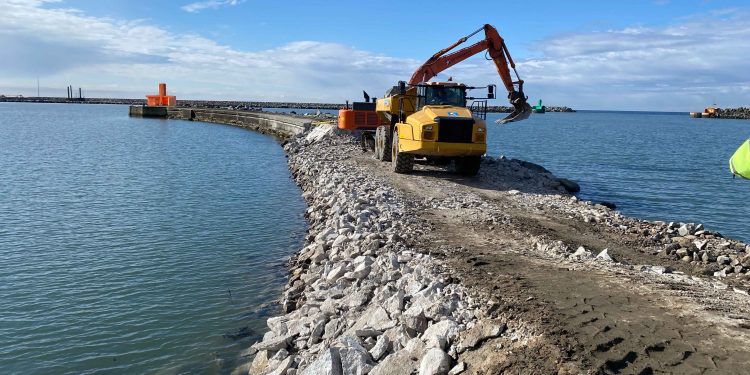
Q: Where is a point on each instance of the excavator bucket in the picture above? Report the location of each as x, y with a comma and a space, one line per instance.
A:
521, 111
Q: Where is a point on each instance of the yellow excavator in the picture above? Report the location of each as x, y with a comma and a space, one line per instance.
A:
430, 120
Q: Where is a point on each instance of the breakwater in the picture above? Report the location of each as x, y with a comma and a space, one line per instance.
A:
429, 274
741, 113
279, 125
506, 109
432, 274
418, 274
361, 297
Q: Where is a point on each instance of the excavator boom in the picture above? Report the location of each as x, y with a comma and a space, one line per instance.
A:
498, 51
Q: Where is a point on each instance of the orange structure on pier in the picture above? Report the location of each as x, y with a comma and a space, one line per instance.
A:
161, 100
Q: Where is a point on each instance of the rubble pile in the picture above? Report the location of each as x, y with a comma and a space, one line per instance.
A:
360, 298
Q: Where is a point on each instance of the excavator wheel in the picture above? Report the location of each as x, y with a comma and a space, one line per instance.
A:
400, 162
383, 143
468, 165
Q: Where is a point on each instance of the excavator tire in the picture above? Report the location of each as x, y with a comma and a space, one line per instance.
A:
400, 162
383, 143
468, 165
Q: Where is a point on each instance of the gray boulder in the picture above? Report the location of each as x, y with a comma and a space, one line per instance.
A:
440, 335
435, 362
483, 330
328, 363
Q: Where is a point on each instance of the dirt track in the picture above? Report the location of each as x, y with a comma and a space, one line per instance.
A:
570, 316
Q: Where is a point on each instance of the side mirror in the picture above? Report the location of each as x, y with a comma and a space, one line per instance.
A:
401, 88
491, 92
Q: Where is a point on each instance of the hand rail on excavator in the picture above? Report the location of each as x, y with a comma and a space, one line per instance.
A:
498, 51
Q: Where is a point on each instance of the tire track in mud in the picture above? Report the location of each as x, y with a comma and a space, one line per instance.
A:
602, 320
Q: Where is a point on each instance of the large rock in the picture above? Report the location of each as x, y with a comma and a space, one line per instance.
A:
399, 363
355, 360
604, 255
260, 363
273, 344
404, 361
435, 362
440, 334
375, 317
316, 333
336, 272
414, 319
328, 363
395, 303
340, 240
381, 347
569, 185
283, 366
361, 271
483, 330
457, 369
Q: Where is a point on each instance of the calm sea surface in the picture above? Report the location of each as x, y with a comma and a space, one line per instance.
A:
133, 245
655, 166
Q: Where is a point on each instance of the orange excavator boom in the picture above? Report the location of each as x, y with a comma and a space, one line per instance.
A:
494, 44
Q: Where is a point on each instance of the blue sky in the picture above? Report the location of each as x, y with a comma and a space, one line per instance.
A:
631, 55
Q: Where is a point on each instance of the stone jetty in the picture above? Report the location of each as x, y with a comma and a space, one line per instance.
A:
741, 113
361, 298
506, 272
506, 109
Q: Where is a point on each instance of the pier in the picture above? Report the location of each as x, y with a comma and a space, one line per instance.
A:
280, 125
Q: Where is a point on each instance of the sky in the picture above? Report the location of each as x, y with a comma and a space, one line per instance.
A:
663, 55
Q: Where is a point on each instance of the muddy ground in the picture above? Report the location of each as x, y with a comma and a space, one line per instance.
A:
587, 316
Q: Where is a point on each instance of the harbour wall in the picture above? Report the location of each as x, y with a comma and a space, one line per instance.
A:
282, 126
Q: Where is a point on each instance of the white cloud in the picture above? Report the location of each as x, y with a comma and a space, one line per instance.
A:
127, 58
679, 67
209, 4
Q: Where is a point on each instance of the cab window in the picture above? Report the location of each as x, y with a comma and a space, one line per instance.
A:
445, 96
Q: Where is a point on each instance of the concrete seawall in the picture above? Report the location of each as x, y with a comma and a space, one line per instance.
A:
279, 125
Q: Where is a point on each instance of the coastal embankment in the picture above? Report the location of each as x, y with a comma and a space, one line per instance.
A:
430, 273
741, 113
433, 273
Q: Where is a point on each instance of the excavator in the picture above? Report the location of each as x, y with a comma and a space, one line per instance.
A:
430, 120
